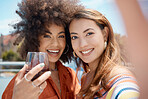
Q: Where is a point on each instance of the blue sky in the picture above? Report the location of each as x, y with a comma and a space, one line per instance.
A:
107, 7
7, 15
110, 10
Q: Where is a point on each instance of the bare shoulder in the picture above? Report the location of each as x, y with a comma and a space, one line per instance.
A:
119, 70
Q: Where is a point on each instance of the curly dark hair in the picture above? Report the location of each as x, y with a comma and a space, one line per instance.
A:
34, 15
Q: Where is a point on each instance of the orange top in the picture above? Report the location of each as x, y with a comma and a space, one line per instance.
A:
68, 83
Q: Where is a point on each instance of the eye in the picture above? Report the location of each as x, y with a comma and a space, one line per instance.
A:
61, 36
47, 36
74, 37
90, 33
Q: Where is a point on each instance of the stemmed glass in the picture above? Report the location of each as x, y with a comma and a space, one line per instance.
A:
35, 58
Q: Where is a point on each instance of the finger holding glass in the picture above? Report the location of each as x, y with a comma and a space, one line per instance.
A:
35, 87
33, 80
37, 64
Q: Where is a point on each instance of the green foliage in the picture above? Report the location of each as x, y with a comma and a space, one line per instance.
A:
10, 56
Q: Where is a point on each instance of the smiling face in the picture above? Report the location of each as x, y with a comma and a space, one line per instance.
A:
87, 39
53, 42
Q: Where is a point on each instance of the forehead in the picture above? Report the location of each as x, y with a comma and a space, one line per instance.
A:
54, 28
82, 24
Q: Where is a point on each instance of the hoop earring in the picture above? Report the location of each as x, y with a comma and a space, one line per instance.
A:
74, 54
105, 45
67, 49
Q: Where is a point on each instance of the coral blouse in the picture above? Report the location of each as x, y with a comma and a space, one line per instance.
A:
68, 83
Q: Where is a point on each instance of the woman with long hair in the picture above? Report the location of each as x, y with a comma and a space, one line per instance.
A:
94, 44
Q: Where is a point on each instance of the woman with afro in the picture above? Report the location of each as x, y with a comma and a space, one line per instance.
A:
43, 28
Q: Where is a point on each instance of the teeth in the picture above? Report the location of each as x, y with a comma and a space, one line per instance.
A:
85, 52
52, 51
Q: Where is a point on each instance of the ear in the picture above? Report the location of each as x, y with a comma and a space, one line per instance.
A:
105, 33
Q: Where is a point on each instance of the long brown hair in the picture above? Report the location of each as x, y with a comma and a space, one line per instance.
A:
109, 58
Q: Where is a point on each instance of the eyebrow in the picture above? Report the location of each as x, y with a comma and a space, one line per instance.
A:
47, 31
73, 33
88, 30
83, 31
61, 32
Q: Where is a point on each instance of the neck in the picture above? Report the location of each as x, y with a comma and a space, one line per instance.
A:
52, 66
93, 65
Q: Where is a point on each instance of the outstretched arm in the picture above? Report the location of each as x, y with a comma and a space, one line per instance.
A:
137, 30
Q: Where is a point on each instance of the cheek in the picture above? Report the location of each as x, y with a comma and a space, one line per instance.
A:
74, 45
62, 43
99, 39
42, 47
44, 44
100, 47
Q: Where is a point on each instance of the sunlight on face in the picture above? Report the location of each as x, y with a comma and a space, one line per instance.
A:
87, 39
53, 42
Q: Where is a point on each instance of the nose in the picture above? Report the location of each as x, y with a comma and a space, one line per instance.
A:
83, 43
55, 42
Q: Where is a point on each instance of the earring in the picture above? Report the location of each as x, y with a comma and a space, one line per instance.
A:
74, 54
67, 49
105, 45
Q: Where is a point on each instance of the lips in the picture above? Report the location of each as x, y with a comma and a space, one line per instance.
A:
53, 52
87, 52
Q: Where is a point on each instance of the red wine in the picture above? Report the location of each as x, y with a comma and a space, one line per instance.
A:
38, 74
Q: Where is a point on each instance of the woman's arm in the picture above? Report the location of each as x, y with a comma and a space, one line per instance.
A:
137, 30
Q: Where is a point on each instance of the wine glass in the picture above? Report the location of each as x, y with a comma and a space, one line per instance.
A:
35, 58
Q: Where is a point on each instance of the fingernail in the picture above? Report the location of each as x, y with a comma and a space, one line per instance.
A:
49, 72
42, 64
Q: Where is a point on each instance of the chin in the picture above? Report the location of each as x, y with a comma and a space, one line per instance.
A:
86, 61
53, 60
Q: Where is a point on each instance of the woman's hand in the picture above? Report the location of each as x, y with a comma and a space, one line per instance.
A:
24, 88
